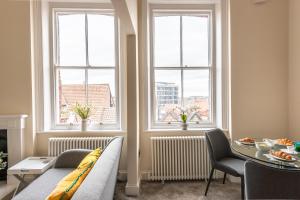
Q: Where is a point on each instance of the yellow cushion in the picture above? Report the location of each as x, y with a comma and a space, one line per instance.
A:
69, 184
91, 157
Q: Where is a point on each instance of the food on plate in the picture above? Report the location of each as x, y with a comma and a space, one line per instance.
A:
285, 141
247, 139
281, 154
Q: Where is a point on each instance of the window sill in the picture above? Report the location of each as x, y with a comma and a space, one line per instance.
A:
82, 133
196, 131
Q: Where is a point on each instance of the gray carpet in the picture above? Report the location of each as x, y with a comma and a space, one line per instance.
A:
184, 190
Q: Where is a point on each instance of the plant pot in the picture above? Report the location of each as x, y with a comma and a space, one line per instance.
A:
84, 124
184, 126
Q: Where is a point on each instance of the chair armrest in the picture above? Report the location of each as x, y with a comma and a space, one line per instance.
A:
71, 158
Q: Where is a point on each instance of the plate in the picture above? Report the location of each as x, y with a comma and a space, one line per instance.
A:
285, 145
282, 159
247, 143
289, 152
274, 143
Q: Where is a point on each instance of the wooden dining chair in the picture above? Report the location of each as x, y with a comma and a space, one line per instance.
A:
265, 182
222, 158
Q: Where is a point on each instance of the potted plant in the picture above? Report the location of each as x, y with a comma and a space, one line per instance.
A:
183, 117
186, 114
84, 112
2, 162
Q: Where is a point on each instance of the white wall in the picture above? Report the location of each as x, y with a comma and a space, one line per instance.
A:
15, 63
294, 70
259, 68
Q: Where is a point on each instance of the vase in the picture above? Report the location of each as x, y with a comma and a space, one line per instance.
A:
184, 126
84, 124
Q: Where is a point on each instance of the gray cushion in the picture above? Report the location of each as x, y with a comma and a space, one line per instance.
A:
232, 166
71, 158
40, 188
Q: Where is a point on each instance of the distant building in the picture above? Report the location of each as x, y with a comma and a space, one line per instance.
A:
166, 94
168, 104
201, 108
100, 98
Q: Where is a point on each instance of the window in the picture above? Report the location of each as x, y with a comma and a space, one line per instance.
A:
85, 67
182, 67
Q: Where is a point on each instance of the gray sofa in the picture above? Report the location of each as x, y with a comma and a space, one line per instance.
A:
98, 185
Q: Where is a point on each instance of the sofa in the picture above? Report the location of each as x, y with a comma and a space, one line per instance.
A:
98, 185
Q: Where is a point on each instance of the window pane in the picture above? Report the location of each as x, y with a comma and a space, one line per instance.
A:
195, 40
71, 40
102, 96
101, 40
196, 94
167, 41
167, 95
71, 90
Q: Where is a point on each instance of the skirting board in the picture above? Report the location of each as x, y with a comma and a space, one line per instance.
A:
145, 175
11, 180
132, 189
122, 176
234, 179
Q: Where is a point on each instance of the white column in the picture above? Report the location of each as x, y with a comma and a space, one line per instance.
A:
133, 179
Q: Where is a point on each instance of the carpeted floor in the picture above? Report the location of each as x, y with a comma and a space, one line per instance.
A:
185, 190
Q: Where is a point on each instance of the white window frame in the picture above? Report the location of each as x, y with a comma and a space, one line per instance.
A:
168, 9
54, 9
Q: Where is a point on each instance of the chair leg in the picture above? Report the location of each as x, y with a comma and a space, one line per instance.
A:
243, 187
224, 179
210, 177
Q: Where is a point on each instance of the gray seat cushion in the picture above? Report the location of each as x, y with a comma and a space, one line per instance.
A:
40, 188
232, 166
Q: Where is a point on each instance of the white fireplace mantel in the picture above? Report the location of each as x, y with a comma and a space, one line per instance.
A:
14, 124
12, 121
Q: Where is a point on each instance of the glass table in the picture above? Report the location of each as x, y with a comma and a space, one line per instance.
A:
250, 152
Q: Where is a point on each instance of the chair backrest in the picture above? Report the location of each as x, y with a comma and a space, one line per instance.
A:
264, 182
218, 145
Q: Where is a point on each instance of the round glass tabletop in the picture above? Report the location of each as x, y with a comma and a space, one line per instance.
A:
264, 157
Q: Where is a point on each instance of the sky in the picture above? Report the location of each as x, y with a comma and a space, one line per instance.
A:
101, 48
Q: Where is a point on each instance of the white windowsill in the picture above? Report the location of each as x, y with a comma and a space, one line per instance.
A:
199, 131
178, 130
120, 132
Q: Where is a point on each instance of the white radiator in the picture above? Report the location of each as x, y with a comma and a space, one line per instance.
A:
57, 145
179, 158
